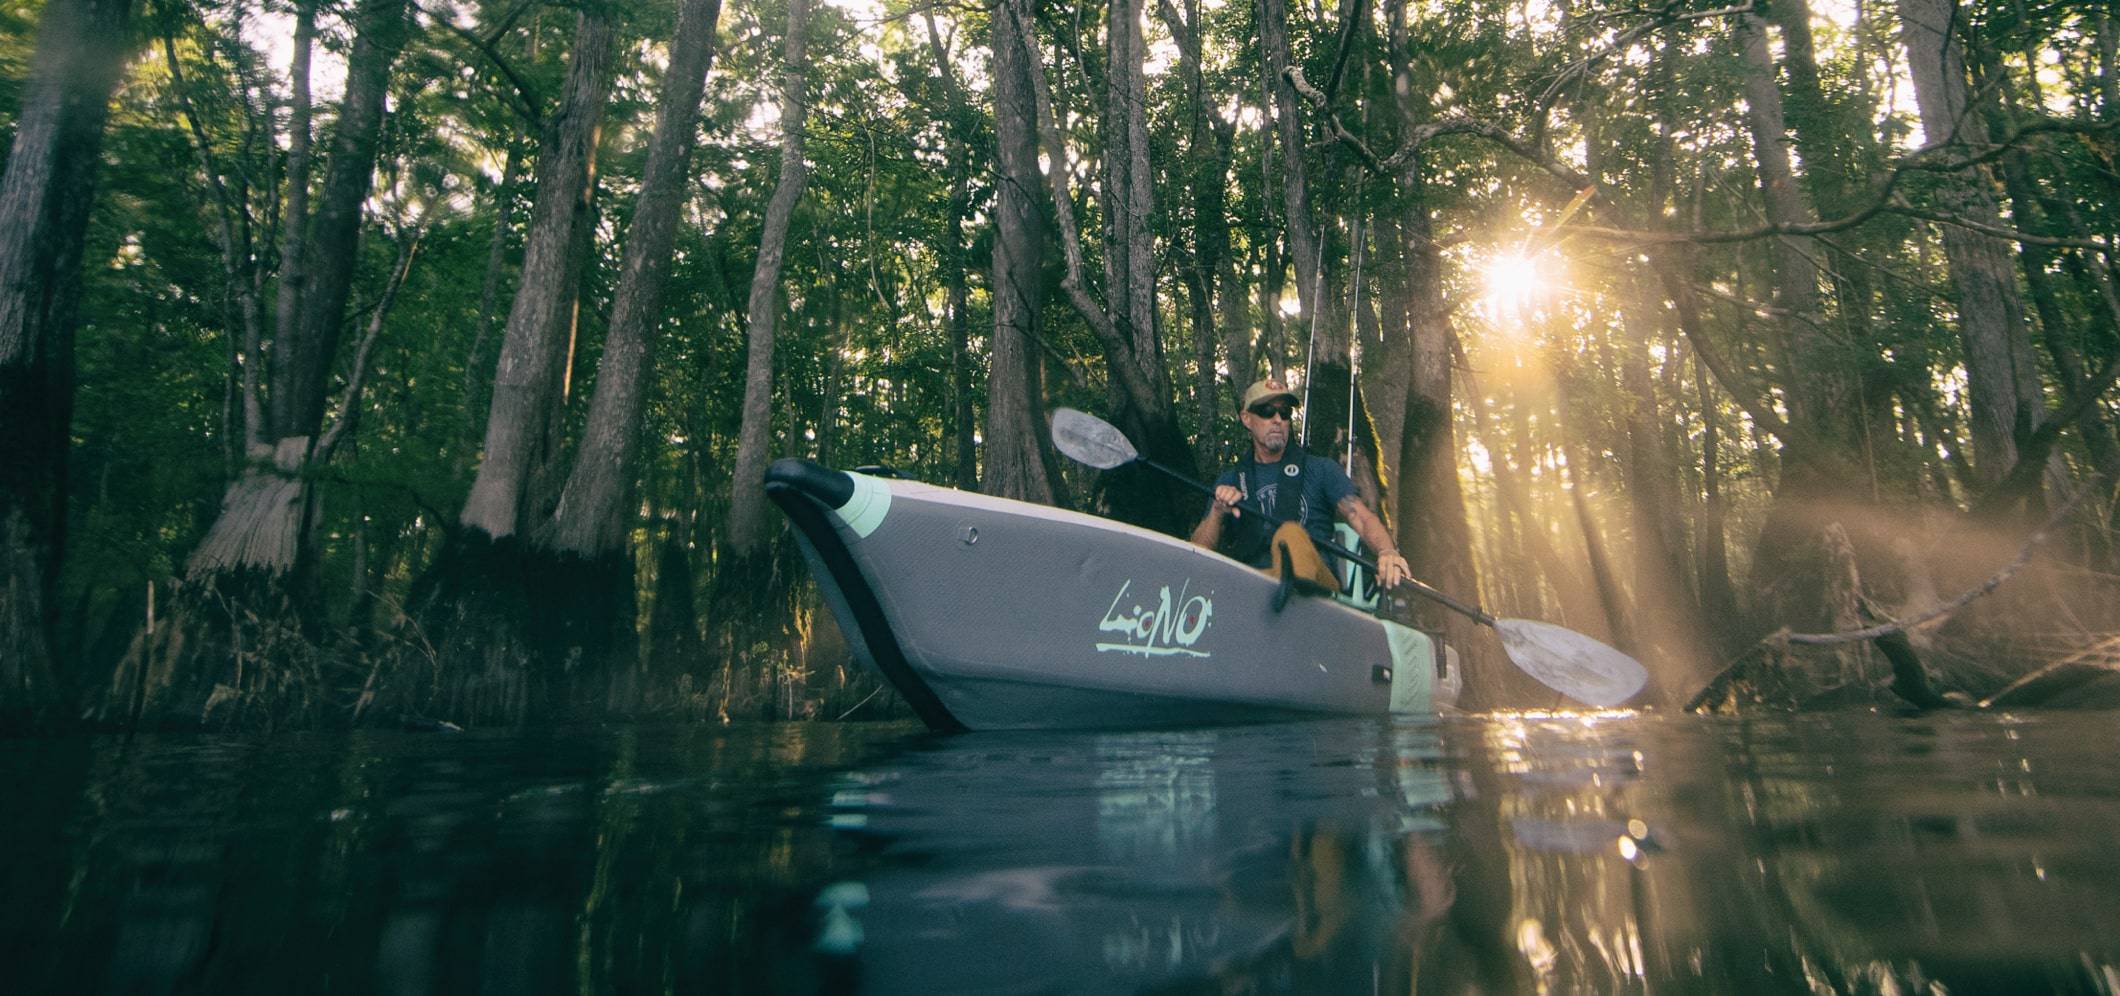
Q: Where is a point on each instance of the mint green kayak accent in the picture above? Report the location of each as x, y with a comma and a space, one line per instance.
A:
865, 511
1358, 588
1412, 668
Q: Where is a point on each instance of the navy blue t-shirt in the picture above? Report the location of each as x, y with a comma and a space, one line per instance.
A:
1325, 485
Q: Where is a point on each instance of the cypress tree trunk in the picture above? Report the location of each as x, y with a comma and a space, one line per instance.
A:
1430, 506
747, 512
2001, 377
1141, 389
239, 644
495, 613
594, 515
526, 382
590, 528
1239, 348
1816, 381
294, 218
2029, 210
1206, 154
1018, 460
477, 371
961, 424
1334, 414
1429, 517
1302, 231
45, 197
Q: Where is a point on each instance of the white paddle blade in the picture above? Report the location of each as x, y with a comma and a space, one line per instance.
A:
1570, 663
1091, 440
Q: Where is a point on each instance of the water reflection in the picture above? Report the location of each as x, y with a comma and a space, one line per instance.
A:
1519, 853
1306, 857
1516, 853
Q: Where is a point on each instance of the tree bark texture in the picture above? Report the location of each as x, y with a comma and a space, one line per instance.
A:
1429, 505
265, 509
747, 512
955, 279
1141, 387
2002, 378
476, 368
1017, 461
1327, 355
302, 367
594, 515
1816, 379
45, 196
526, 380
1207, 157
1302, 231
294, 219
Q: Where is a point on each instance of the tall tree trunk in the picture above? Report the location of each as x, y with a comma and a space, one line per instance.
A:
526, 382
1718, 597
45, 197
1206, 153
1018, 461
592, 593
294, 220
2002, 379
477, 371
234, 645
966, 470
1430, 506
1838, 154
1141, 389
1816, 381
505, 622
594, 515
747, 518
1239, 348
261, 526
2029, 210
1302, 229
1334, 415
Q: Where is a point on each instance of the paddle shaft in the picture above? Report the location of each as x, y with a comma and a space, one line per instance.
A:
1246, 505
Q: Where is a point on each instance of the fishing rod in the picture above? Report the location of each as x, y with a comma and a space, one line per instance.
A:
1310, 349
1354, 341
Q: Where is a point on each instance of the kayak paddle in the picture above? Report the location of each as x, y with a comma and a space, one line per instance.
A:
1566, 661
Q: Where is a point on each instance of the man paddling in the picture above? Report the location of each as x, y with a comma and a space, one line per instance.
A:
1273, 470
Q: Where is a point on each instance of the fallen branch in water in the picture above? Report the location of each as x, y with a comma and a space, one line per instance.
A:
1908, 679
2090, 664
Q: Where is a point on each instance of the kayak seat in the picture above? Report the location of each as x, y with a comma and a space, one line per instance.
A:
1298, 567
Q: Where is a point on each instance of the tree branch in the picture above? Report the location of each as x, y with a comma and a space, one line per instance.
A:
350, 401
1994, 581
526, 102
1073, 283
235, 259
1896, 629
1664, 16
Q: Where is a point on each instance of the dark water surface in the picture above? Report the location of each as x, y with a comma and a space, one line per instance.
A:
1564, 853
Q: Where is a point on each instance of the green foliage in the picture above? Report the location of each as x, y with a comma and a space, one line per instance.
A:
1652, 112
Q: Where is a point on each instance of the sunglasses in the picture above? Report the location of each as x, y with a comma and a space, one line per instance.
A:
1281, 411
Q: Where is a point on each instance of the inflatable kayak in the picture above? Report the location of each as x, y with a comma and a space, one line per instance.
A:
987, 614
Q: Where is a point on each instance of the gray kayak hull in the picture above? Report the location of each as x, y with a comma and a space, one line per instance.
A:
987, 613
